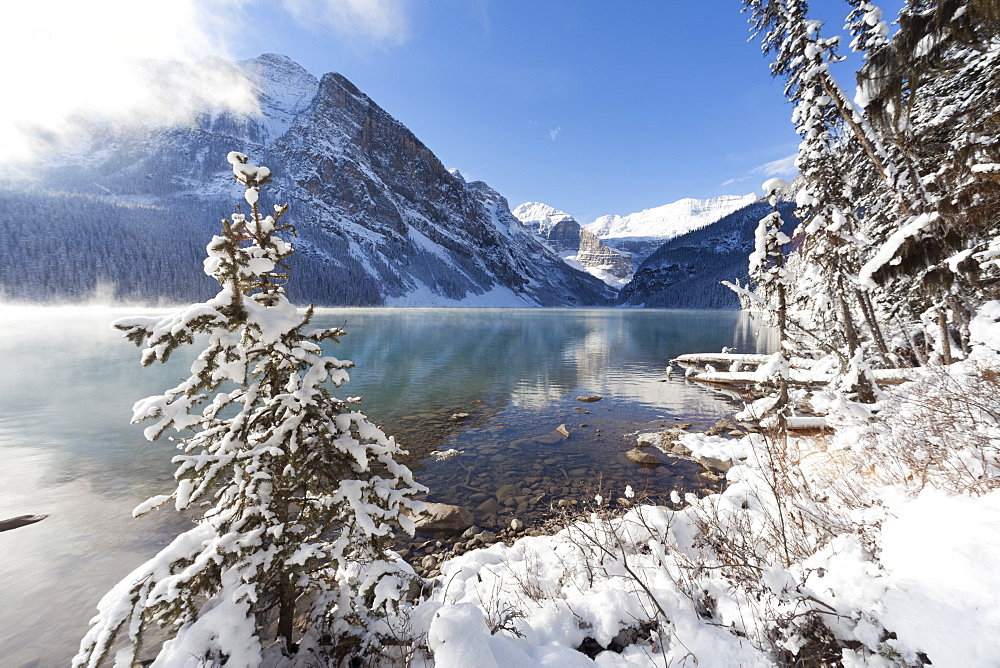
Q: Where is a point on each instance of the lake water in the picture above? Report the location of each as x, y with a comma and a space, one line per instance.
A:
68, 451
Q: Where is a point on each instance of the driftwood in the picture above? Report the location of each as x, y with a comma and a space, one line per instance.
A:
728, 360
700, 367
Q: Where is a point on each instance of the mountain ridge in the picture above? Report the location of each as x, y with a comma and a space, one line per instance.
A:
668, 220
686, 271
380, 220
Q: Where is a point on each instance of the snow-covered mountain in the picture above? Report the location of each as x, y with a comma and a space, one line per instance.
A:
616, 246
578, 247
539, 217
685, 272
380, 220
670, 220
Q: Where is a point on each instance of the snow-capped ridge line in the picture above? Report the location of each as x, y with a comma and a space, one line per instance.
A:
669, 220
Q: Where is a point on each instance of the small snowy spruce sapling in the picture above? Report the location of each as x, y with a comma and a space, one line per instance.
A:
770, 279
302, 493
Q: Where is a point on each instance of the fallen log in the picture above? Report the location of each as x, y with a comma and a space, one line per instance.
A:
796, 378
728, 360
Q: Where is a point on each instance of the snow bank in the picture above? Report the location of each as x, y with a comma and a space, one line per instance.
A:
941, 552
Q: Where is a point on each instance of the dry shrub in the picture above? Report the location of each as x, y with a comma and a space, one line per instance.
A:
943, 433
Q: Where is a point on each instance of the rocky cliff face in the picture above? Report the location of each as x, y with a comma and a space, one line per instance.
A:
380, 220
576, 245
594, 254
564, 236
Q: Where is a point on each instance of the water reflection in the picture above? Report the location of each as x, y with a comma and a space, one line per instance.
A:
69, 452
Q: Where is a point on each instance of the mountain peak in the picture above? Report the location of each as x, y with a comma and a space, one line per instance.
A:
379, 218
669, 220
284, 89
540, 217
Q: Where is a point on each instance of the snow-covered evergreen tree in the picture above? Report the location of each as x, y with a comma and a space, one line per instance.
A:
291, 556
900, 197
769, 277
931, 90
833, 133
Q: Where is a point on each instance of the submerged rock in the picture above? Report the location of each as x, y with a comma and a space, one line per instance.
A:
589, 398
20, 521
488, 507
642, 458
444, 518
505, 492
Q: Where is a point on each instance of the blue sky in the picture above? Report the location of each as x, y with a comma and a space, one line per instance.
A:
594, 107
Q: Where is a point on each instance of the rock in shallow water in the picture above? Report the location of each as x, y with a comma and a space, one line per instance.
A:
642, 458
20, 521
444, 518
715, 464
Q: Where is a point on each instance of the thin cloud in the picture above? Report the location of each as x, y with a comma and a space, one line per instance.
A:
384, 22
784, 167
730, 182
554, 132
480, 11
780, 167
140, 62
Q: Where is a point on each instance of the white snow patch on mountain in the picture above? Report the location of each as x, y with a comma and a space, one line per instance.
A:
539, 217
284, 89
670, 220
598, 272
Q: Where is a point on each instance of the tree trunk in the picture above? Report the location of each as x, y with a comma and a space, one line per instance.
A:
286, 612
286, 591
781, 407
962, 320
863, 388
945, 335
868, 311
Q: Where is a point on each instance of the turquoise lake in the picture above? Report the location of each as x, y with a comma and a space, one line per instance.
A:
69, 452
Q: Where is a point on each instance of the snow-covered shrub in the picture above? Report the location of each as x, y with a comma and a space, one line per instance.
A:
301, 492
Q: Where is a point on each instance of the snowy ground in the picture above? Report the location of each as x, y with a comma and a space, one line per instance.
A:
876, 544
